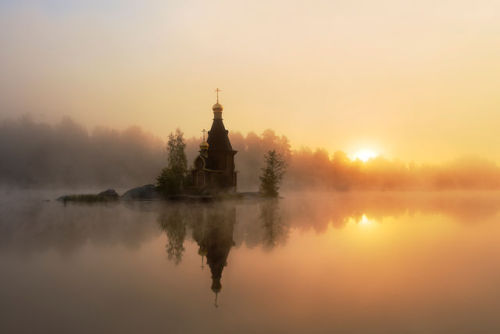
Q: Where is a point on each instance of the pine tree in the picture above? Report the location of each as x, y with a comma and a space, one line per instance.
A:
172, 177
272, 174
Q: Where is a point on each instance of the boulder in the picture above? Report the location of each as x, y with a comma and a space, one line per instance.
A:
146, 192
103, 196
110, 193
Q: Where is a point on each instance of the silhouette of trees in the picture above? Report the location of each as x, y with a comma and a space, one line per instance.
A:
272, 174
43, 155
172, 178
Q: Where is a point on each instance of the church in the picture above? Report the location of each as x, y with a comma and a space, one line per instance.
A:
214, 169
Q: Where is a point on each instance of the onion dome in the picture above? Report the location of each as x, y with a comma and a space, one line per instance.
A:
204, 145
217, 107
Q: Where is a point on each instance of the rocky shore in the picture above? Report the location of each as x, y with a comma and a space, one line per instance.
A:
149, 192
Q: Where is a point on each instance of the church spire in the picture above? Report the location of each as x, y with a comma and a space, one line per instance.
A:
215, 301
217, 107
204, 145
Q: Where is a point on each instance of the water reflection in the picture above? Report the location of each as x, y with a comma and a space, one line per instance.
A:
173, 223
211, 226
275, 228
36, 225
358, 263
214, 236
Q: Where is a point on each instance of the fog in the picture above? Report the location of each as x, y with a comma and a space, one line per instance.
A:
37, 154
391, 259
30, 224
317, 169
67, 155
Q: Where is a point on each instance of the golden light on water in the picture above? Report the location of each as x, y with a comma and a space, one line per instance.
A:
387, 215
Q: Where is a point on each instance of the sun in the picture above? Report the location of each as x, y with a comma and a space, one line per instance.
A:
364, 221
364, 155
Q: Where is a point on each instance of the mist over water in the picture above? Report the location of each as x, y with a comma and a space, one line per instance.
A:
68, 156
348, 248
315, 262
387, 220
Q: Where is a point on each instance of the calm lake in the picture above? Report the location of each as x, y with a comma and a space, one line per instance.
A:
307, 263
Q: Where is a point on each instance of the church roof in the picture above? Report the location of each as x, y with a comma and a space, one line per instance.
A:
218, 139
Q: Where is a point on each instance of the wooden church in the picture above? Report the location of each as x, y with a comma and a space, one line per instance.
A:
214, 169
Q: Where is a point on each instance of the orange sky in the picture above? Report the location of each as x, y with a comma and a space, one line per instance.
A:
412, 80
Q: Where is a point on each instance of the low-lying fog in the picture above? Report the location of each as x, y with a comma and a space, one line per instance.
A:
66, 155
371, 262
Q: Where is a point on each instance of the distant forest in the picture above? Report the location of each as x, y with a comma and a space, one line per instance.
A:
37, 155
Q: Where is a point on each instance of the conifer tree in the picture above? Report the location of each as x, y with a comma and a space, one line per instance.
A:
272, 174
172, 177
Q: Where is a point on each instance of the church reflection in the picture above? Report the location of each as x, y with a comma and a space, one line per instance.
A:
212, 227
214, 235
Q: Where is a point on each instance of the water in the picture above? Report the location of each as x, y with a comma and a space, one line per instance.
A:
308, 263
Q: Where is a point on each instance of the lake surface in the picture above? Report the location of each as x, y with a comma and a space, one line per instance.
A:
307, 263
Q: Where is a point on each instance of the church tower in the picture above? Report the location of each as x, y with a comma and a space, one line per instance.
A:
214, 167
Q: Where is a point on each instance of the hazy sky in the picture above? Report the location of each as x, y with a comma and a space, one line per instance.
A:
417, 80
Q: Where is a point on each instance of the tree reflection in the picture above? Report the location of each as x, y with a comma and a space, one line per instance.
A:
174, 225
274, 226
30, 226
212, 229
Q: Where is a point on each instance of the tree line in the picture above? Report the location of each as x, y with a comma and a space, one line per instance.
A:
67, 155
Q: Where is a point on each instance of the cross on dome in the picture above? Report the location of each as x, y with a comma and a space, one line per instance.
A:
217, 90
217, 107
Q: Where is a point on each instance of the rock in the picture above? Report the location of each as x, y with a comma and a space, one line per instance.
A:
146, 192
110, 193
104, 196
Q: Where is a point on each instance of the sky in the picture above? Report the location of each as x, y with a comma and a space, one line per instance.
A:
412, 80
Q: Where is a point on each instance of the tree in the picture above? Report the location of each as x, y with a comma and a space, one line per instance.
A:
172, 178
272, 174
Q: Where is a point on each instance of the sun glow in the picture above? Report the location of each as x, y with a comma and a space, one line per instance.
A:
365, 221
364, 155
362, 221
